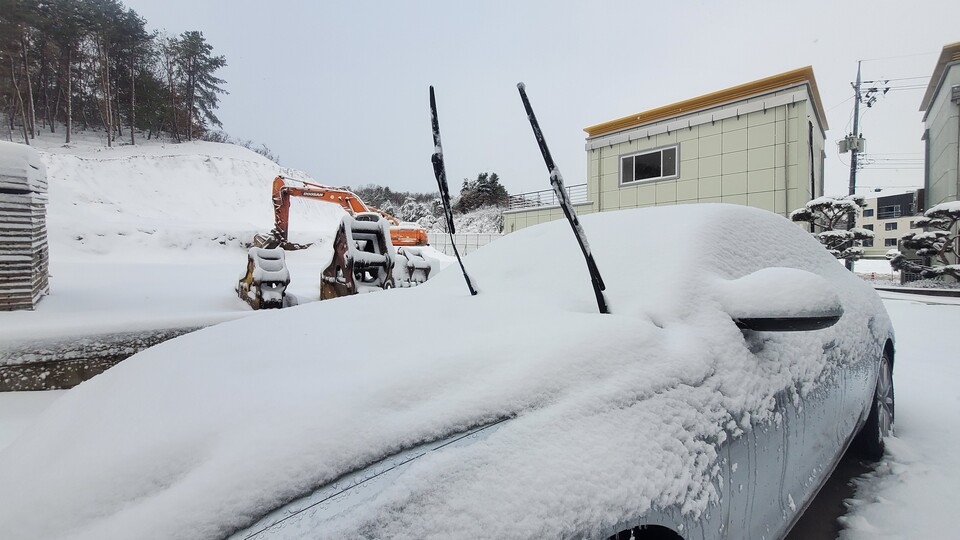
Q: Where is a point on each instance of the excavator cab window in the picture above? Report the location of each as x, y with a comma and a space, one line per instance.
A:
367, 216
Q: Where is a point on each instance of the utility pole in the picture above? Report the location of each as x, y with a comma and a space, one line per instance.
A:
854, 144
855, 138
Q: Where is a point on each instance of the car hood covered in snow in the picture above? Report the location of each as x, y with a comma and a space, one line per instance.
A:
610, 414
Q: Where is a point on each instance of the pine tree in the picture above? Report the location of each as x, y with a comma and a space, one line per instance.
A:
201, 86
486, 190
94, 62
133, 49
826, 215
942, 243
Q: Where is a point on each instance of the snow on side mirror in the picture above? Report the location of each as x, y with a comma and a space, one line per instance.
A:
780, 300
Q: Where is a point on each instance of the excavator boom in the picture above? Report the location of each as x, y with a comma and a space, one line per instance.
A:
400, 234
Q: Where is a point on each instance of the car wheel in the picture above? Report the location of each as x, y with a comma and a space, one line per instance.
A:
880, 422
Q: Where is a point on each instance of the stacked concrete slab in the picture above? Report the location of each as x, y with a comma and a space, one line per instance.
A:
24, 259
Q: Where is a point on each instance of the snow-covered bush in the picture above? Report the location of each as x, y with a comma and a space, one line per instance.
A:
413, 210
829, 217
940, 241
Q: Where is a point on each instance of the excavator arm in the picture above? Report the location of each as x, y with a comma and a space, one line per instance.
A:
400, 234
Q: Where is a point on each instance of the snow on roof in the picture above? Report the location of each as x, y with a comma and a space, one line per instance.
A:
201, 435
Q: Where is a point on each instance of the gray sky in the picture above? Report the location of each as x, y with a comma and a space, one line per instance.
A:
339, 89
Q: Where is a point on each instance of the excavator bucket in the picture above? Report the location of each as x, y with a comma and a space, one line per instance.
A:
265, 281
363, 258
412, 268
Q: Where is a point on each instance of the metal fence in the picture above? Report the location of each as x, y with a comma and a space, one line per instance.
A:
907, 277
576, 193
466, 242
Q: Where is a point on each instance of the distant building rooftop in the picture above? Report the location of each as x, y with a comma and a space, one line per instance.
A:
949, 54
736, 93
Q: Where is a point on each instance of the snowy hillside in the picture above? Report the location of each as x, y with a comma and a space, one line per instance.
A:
151, 198
153, 236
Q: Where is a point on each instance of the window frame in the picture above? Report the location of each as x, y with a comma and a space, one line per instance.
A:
891, 226
660, 149
886, 242
868, 212
890, 211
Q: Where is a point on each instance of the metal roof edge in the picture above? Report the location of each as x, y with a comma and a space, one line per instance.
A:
720, 97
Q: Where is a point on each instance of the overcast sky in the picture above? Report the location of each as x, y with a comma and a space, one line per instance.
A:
340, 89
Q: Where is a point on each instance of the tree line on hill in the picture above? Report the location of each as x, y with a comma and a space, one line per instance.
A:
92, 64
426, 208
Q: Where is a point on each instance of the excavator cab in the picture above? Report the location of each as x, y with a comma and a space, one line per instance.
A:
265, 281
363, 258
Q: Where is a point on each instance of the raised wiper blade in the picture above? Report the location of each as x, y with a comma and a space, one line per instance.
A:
556, 180
441, 173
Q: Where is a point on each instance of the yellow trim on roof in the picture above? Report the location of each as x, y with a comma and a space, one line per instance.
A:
743, 91
949, 54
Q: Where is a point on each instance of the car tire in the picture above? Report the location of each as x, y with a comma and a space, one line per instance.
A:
880, 422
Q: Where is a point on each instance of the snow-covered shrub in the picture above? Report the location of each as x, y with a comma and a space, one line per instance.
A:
939, 241
829, 217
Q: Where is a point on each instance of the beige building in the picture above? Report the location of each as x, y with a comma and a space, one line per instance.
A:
941, 122
758, 144
941, 118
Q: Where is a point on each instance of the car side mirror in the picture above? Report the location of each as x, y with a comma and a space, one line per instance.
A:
780, 300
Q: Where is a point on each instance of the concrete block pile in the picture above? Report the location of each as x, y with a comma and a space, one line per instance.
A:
24, 257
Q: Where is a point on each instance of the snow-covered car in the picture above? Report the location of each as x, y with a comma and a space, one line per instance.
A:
737, 364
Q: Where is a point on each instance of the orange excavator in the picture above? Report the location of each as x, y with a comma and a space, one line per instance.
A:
401, 234
364, 258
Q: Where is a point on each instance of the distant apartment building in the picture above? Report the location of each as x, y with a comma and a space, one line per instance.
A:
757, 144
941, 119
890, 217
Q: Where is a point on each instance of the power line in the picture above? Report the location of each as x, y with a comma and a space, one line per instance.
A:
839, 104
897, 79
901, 56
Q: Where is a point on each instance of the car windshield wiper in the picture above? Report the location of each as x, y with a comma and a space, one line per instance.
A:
556, 180
440, 172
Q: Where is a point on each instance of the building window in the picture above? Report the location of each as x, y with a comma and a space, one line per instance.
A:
890, 242
867, 212
868, 242
889, 212
913, 224
868, 227
650, 165
890, 226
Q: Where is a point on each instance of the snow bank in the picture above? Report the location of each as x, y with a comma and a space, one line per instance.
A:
203, 434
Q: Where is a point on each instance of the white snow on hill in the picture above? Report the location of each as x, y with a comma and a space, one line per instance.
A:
148, 199
152, 236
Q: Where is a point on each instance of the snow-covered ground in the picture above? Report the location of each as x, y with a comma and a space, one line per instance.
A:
150, 236
19, 410
912, 492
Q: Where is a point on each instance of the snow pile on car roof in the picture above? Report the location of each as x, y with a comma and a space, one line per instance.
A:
200, 436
